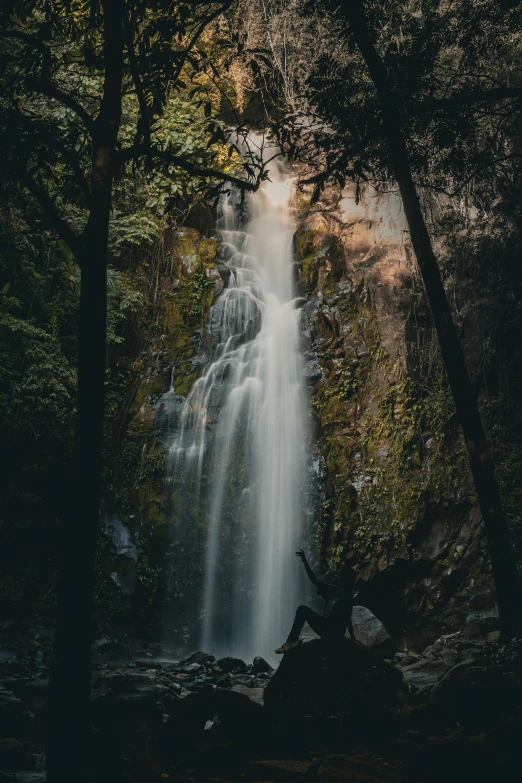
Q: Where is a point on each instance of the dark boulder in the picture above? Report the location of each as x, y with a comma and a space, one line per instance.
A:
260, 665
483, 615
145, 712
371, 632
475, 696
234, 708
242, 679
260, 682
144, 663
13, 755
15, 716
424, 674
254, 694
231, 664
332, 677
36, 691
357, 768
225, 681
197, 657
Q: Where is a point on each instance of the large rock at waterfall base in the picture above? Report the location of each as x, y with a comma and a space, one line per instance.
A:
371, 632
330, 678
137, 713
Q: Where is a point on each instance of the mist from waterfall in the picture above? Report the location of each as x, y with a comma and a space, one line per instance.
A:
241, 447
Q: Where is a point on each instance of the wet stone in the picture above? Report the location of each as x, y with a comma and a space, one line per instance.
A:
229, 664
197, 657
260, 665
192, 668
242, 679
225, 681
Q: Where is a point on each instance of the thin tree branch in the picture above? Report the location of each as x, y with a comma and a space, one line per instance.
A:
56, 143
475, 96
52, 91
143, 125
44, 85
143, 150
224, 5
51, 213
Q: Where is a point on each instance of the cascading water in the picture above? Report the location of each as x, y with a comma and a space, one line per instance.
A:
240, 451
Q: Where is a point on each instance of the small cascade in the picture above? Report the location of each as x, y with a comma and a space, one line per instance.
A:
239, 456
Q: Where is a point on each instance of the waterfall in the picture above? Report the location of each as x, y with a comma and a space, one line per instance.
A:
240, 451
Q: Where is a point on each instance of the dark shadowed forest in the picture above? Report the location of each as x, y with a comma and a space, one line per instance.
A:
260, 296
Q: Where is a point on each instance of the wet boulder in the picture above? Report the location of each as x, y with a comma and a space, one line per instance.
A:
254, 694
483, 616
475, 696
13, 755
242, 679
242, 714
230, 664
225, 681
332, 677
260, 665
197, 657
342, 768
371, 632
15, 716
423, 675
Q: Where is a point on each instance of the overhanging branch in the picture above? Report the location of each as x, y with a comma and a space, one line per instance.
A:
144, 151
475, 96
52, 91
51, 213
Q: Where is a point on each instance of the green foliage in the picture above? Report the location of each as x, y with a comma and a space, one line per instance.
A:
37, 387
37, 374
136, 479
454, 69
122, 301
51, 84
195, 298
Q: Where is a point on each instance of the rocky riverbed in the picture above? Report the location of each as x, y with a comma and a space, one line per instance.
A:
328, 712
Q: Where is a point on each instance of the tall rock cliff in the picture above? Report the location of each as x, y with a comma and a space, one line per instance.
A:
389, 492
395, 497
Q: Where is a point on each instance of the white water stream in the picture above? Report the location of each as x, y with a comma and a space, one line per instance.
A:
241, 445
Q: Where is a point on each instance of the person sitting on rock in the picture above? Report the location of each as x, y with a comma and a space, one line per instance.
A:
337, 612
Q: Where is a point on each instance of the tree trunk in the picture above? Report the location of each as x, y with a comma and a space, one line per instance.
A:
480, 458
69, 720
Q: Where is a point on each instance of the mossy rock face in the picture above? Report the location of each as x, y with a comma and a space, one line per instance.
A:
208, 251
155, 386
136, 486
393, 494
184, 382
320, 254
191, 251
395, 487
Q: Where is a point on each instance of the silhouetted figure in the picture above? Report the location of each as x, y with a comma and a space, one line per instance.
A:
337, 612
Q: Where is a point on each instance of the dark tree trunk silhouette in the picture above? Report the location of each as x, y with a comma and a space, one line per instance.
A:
69, 724
479, 451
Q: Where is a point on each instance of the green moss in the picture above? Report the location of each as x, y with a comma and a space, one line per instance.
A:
139, 476
208, 252
195, 299
314, 248
183, 384
306, 246
384, 450
154, 386
186, 244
